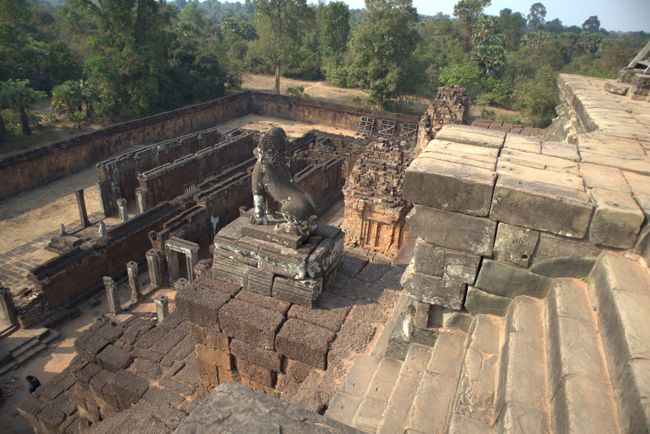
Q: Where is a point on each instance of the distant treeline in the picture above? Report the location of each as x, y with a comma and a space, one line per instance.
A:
118, 59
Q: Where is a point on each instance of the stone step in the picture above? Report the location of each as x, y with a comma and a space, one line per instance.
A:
375, 400
619, 288
346, 401
52, 336
473, 407
401, 399
520, 401
22, 337
33, 352
434, 397
579, 390
31, 343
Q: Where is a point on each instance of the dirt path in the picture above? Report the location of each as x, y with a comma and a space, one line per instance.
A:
37, 212
316, 89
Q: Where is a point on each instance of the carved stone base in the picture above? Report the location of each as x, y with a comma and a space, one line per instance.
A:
259, 260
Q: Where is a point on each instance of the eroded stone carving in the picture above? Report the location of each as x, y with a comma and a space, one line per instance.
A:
272, 182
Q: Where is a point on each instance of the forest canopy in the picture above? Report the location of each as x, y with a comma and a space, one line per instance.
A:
116, 59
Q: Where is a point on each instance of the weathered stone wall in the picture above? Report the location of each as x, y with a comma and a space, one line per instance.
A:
118, 176
76, 273
173, 179
26, 170
450, 106
496, 215
117, 366
313, 111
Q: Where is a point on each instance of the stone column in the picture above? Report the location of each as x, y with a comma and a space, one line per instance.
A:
104, 204
132, 272
162, 308
101, 230
122, 210
153, 267
7, 307
173, 267
112, 296
81, 204
421, 319
191, 258
141, 200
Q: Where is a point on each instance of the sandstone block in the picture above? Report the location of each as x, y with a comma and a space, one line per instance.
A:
260, 357
128, 388
297, 370
453, 231
210, 358
449, 186
553, 247
210, 338
522, 143
515, 244
113, 359
472, 136
331, 318
304, 342
478, 301
433, 289
500, 278
201, 305
428, 258
617, 219
255, 373
461, 267
250, 323
561, 149
266, 302
546, 207
260, 281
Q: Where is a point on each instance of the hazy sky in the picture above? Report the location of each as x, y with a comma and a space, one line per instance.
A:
623, 15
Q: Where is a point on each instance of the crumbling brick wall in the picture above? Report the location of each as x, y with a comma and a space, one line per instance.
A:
450, 106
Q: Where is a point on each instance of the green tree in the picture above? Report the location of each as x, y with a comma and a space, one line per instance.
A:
278, 26
537, 97
536, 16
74, 96
380, 58
334, 33
488, 46
591, 24
512, 26
466, 75
29, 48
18, 96
441, 44
126, 45
468, 12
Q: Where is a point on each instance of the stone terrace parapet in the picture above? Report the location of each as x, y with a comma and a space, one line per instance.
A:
496, 214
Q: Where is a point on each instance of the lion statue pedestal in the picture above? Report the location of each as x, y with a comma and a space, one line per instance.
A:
282, 253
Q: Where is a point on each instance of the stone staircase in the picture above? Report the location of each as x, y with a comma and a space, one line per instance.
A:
22, 345
576, 361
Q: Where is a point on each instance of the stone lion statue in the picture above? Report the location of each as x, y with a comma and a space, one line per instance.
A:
272, 182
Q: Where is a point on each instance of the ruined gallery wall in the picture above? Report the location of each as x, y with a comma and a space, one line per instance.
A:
28, 169
118, 176
308, 110
75, 273
172, 179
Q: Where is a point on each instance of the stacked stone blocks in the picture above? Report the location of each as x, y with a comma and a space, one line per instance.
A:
261, 341
496, 215
288, 267
118, 365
